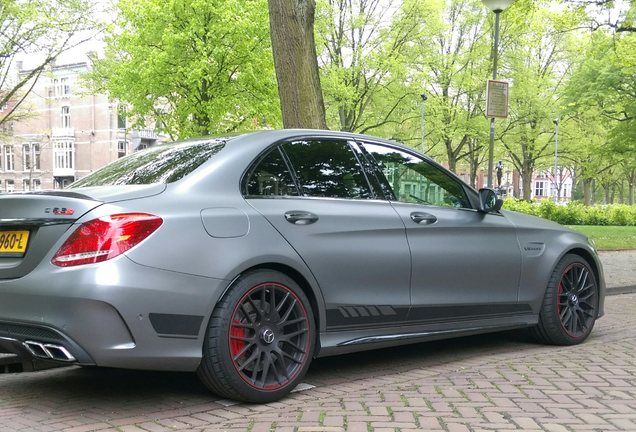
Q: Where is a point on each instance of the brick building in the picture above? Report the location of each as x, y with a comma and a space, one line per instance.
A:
68, 134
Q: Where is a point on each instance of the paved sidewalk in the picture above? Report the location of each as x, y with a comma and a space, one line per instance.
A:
497, 382
620, 270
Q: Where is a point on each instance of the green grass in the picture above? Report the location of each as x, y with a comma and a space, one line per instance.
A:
609, 237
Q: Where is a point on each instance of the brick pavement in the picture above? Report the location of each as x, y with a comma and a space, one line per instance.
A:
494, 382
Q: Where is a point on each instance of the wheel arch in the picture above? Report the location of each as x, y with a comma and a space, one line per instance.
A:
589, 258
312, 292
596, 267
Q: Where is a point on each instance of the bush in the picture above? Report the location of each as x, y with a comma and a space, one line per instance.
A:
575, 213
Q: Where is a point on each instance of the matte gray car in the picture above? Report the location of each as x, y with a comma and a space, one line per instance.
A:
243, 258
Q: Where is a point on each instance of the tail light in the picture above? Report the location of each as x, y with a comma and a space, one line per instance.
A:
104, 238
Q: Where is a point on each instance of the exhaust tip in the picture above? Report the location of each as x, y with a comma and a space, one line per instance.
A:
58, 352
49, 351
36, 348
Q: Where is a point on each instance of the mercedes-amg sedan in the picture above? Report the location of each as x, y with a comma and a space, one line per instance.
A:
243, 258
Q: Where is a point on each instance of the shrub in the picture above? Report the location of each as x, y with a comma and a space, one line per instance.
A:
575, 213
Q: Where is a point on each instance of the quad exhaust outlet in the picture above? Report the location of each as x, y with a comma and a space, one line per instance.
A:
49, 351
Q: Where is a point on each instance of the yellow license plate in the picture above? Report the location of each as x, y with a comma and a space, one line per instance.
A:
13, 243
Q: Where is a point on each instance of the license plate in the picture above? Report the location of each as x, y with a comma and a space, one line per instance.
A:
13, 243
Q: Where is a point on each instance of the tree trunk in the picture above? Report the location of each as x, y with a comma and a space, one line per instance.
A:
587, 191
526, 184
291, 25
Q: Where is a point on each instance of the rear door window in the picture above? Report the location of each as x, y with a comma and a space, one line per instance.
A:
270, 177
327, 168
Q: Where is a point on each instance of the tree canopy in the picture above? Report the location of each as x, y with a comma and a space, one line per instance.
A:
40, 30
207, 67
198, 67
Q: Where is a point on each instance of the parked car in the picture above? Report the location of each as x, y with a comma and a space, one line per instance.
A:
243, 258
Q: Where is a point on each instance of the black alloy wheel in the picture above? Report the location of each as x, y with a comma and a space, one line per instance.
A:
576, 300
268, 336
260, 339
570, 305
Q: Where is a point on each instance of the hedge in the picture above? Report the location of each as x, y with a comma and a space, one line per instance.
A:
575, 213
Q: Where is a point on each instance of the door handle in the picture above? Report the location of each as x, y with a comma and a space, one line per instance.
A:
423, 218
300, 217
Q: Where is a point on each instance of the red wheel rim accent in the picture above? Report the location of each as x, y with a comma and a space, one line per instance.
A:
269, 336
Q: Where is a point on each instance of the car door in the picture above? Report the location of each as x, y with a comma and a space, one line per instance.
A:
466, 264
316, 194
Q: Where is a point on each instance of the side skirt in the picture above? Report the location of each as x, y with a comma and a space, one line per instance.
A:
342, 342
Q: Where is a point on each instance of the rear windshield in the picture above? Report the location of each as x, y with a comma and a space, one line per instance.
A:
162, 164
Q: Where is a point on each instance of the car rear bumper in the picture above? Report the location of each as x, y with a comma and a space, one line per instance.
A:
115, 314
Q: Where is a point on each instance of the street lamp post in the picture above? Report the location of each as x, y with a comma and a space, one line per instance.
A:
423, 100
497, 6
556, 159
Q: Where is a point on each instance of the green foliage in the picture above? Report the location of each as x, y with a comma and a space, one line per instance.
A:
575, 213
40, 31
199, 66
363, 48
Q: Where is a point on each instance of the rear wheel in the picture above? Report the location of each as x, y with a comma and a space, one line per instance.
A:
570, 305
260, 339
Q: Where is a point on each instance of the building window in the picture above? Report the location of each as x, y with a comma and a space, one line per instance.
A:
9, 158
26, 157
35, 154
539, 188
65, 87
63, 153
36, 185
66, 117
25, 185
9, 186
61, 87
121, 148
30, 156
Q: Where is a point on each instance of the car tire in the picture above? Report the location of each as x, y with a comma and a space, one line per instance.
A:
570, 304
260, 339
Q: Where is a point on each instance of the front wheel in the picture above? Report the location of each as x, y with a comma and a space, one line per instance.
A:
260, 339
570, 305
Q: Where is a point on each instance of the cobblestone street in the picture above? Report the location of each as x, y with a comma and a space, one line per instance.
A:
494, 382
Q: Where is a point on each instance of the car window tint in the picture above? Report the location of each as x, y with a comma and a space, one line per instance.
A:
415, 180
271, 177
161, 164
328, 168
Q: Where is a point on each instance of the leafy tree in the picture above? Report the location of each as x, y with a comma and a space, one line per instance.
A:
198, 66
41, 30
292, 33
452, 59
607, 14
604, 82
537, 63
364, 43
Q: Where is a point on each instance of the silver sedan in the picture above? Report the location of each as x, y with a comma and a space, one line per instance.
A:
243, 258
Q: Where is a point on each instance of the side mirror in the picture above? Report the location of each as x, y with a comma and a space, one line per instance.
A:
489, 202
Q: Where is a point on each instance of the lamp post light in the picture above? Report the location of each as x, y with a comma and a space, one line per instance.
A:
556, 159
497, 6
423, 95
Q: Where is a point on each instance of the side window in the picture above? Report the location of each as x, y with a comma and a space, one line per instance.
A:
415, 180
270, 177
327, 168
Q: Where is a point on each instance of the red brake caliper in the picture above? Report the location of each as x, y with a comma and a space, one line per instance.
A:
236, 345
